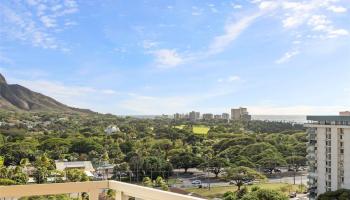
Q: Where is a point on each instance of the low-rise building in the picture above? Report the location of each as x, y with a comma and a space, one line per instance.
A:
85, 166
111, 129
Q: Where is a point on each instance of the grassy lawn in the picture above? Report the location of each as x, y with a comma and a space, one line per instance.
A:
219, 191
180, 127
200, 130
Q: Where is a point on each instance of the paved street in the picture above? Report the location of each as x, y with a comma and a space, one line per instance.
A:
199, 175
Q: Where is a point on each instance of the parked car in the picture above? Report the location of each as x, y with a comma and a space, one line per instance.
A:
197, 182
277, 170
293, 195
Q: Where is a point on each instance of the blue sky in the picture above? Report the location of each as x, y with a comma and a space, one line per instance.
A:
158, 56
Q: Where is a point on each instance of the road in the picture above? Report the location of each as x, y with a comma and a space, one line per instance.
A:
298, 180
198, 175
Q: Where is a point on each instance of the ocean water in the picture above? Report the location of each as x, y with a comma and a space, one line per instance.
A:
285, 118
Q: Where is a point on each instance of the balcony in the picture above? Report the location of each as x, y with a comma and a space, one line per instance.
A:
310, 149
124, 191
311, 156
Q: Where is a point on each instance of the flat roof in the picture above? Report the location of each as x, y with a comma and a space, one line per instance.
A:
335, 118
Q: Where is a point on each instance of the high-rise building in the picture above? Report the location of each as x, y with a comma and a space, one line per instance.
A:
225, 116
178, 116
208, 116
194, 116
344, 113
328, 153
217, 116
240, 114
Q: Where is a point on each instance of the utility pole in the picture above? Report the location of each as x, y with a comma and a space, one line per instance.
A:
294, 168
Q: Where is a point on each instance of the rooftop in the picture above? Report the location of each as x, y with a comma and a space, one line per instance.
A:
330, 118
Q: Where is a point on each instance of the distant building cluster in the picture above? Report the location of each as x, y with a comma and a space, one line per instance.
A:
236, 114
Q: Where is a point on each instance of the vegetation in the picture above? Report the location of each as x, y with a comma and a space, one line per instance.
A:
242, 175
144, 150
342, 194
201, 130
219, 192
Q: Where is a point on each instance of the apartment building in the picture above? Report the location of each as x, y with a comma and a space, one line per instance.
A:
225, 116
217, 117
240, 114
178, 116
329, 141
208, 116
194, 116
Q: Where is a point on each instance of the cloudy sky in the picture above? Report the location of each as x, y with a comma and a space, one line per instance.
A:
167, 56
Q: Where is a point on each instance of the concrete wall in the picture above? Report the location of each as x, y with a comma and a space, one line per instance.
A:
93, 188
347, 158
335, 161
321, 160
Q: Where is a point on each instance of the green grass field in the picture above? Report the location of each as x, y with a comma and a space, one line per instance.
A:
219, 191
200, 130
180, 127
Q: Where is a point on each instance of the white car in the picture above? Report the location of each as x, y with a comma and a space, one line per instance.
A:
197, 182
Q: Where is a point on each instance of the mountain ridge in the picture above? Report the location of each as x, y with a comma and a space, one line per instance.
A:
14, 97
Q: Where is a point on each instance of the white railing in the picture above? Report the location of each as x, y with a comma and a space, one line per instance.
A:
123, 190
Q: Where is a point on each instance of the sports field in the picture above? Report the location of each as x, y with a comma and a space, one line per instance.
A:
200, 129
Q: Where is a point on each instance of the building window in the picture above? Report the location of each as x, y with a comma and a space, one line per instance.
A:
342, 151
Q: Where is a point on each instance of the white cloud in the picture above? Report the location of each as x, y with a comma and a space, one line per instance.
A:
321, 23
302, 18
167, 58
232, 31
287, 56
72, 95
311, 16
229, 79
48, 22
155, 105
56, 89
108, 91
37, 22
148, 44
307, 20
236, 6
268, 5
337, 9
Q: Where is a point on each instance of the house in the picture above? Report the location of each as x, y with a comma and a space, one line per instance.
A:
111, 130
85, 166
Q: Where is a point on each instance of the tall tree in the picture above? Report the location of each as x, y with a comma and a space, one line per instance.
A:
240, 175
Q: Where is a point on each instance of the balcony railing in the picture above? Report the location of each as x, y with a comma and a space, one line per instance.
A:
123, 190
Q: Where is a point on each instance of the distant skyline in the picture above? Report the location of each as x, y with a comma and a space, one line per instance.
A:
162, 57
